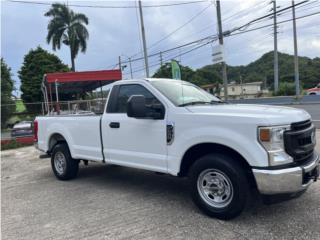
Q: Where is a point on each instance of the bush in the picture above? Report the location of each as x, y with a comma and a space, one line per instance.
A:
12, 144
286, 89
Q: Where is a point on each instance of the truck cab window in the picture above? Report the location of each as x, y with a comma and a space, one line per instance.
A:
126, 91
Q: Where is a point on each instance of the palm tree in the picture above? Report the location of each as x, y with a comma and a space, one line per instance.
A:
69, 28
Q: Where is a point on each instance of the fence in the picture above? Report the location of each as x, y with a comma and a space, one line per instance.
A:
26, 112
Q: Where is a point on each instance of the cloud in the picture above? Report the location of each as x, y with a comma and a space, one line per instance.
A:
115, 32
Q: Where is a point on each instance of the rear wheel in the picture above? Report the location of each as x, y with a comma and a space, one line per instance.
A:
219, 186
63, 165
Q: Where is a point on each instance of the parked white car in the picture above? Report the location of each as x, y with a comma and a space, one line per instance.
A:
174, 127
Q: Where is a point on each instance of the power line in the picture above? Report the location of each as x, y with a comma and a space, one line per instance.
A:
226, 33
214, 38
180, 54
176, 30
182, 26
109, 6
174, 48
265, 16
268, 25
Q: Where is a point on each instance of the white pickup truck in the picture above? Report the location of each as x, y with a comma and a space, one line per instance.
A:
174, 127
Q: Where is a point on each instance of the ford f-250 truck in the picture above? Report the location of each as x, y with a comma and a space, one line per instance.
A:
174, 127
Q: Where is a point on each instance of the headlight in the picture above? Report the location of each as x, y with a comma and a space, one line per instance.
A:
271, 138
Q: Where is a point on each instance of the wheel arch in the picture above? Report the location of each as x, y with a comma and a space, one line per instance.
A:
54, 139
201, 149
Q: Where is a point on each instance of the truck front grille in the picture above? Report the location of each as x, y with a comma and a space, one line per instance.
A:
299, 142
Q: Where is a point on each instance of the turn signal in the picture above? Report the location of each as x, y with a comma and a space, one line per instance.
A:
264, 134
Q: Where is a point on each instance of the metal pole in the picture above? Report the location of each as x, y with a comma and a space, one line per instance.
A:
57, 98
51, 100
144, 41
42, 107
130, 68
275, 40
120, 67
296, 63
224, 66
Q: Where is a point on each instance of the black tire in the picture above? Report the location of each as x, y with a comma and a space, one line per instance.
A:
233, 177
68, 167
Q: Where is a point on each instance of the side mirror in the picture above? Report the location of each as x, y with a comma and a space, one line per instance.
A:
136, 106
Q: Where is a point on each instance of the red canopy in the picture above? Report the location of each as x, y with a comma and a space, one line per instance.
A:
82, 81
105, 75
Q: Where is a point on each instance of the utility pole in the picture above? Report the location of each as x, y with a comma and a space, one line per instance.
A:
130, 68
144, 41
161, 63
296, 63
275, 40
224, 66
120, 67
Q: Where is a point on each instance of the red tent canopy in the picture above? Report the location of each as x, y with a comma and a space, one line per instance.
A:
82, 81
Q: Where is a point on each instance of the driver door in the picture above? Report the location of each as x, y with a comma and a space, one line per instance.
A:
130, 141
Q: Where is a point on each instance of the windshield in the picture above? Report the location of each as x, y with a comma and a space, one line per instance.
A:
182, 93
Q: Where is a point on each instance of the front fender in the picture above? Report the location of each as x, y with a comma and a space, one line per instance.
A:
242, 141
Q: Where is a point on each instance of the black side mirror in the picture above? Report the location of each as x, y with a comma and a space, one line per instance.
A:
136, 106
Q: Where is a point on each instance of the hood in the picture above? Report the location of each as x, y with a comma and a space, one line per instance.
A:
269, 115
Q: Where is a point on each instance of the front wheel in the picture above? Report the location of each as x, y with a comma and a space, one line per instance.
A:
219, 186
63, 165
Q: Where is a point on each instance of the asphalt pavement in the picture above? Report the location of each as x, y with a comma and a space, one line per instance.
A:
111, 202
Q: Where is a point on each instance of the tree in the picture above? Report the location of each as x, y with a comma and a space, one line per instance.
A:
165, 72
67, 27
37, 63
7, 86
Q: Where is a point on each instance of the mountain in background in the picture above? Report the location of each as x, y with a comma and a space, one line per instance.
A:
259, 70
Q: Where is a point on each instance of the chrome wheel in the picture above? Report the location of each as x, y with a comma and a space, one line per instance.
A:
215, 188
60, 163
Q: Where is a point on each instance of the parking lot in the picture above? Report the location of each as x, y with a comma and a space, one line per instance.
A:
110, 202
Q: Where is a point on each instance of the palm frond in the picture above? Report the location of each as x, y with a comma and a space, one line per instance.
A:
80, 18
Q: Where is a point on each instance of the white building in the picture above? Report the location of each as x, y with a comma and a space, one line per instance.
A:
237, 91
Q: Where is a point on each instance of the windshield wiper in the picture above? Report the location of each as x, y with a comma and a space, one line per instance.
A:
194, 103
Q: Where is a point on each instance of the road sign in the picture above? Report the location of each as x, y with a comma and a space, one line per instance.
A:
217, 54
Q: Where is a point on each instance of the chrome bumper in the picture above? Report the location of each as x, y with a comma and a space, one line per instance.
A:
287, 180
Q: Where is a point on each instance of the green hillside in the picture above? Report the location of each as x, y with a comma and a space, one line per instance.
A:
259, 70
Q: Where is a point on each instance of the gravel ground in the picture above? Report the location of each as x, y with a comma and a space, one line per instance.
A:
110, 202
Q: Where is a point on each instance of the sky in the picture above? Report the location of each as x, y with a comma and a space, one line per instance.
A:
115, 32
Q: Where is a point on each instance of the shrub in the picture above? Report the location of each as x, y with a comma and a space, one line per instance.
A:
286, 89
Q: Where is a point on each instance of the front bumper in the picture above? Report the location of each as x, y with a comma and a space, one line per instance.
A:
287, 180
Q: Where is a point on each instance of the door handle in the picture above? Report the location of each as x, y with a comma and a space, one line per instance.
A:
114, 125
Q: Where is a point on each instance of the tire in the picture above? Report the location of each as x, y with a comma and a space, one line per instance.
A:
219, 186
63, 165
